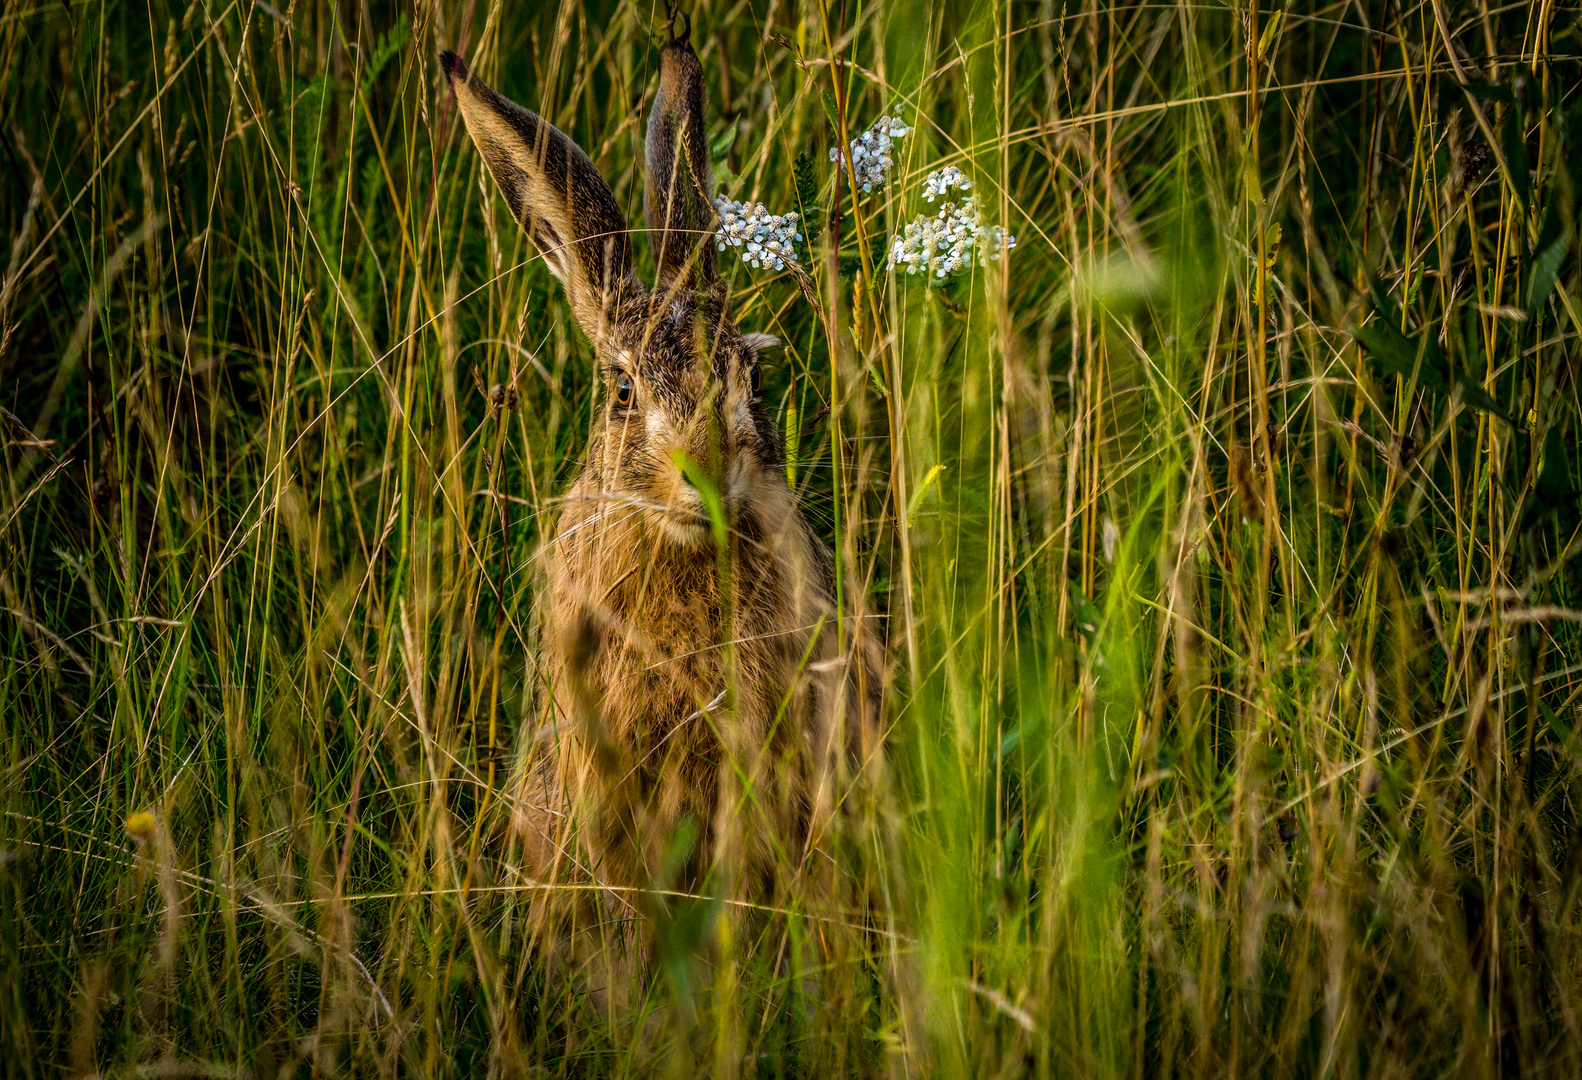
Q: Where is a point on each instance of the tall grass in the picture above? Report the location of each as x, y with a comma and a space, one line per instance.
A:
1226, 532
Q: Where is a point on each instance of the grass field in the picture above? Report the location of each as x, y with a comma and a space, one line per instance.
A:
1226, 530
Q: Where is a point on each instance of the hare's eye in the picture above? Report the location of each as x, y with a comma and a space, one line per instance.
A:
755, 379
623, 390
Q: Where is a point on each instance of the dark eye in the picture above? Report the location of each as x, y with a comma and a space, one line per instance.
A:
755, 379
623, 390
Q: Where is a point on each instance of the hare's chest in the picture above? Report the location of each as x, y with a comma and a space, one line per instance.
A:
678, 658
663, 662
701, 674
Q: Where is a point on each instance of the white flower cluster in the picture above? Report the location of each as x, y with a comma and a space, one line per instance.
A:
939, 182
871, 157
949, 241
763, 239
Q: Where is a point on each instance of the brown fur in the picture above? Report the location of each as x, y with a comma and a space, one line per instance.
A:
686, 682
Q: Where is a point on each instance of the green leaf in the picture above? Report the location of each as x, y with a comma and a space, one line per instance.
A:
1554, 482
1472, 343
1416, 284
384, 51
1392, 351
708, 492
1513, 140
1475, 397
831, 114
1265, 39
721, 143
1569, 124
1546, 268
793, 441
1423, 359
308, 113
1557, 728
1489, 92
807, 196
922, 489
1552, 493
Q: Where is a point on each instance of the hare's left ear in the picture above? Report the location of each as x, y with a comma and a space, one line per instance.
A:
678, 204
556, 194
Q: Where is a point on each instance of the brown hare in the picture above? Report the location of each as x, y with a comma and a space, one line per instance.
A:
700, 681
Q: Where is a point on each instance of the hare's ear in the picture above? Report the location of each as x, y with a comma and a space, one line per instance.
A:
680, 184
556, 194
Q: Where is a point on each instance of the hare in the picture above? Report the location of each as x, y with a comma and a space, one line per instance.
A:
705, 698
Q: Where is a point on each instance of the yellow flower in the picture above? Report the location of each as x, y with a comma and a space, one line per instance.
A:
140, 825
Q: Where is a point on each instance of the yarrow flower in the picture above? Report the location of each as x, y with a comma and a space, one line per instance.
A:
939, 182
763, 239
871, 152
952, 240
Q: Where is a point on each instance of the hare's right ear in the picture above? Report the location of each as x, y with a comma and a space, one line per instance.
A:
678, 200
556, 194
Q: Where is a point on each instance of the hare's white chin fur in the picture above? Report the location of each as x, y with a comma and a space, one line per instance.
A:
685, 530
687, 525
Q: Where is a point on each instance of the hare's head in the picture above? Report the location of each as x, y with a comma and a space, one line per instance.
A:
682, 403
